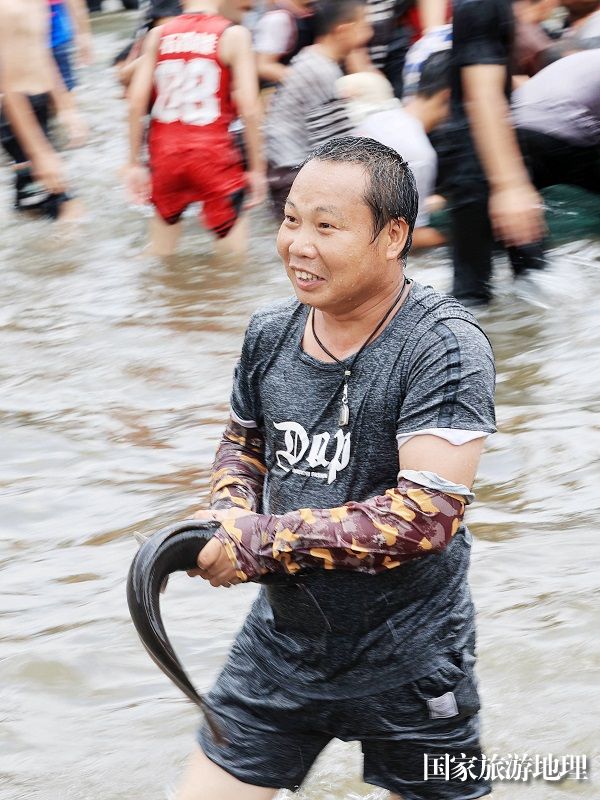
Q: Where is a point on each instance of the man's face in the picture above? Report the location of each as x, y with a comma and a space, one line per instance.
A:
325, 239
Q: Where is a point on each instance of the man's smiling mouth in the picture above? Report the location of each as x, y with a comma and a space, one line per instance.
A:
303, 275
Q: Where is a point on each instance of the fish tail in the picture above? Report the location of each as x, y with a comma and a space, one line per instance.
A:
214, 726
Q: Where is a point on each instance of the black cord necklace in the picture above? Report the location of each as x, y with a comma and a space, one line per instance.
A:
345, 410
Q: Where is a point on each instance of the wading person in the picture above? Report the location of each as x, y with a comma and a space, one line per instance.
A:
200, 68
159, 12
30, 86
490, 191
281, 34
306, 110
557, 119
404, 127
359, 412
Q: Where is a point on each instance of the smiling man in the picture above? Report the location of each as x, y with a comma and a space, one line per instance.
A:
359, 412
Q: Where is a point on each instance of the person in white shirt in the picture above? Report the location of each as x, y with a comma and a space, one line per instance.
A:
378, 115
279, 35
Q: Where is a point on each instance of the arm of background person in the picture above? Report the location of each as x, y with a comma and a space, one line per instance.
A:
432, 13
427, 236
270, 68
273, 37
424, 169
66, 107
515, 207
236, 50
127, 61
359, 61
140, 91
83, 31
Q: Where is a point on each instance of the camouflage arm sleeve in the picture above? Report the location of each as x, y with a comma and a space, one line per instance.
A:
238, 470
381, 533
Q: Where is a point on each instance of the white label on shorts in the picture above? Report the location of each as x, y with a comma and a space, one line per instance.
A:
442, 706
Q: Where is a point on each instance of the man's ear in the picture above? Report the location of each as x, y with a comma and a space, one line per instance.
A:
397, 234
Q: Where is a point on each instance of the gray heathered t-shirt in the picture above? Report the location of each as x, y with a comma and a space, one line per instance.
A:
306, 110
340, 633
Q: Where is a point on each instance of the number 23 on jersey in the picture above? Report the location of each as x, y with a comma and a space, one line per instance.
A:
187, 91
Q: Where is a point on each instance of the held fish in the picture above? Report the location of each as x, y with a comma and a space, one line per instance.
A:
172, 549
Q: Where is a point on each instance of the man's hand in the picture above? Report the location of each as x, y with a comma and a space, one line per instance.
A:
257, 183
137, 183
214, 565
516, 214
515, 208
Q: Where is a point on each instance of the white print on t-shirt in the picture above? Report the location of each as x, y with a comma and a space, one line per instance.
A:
205, 44
186, 91
297, 443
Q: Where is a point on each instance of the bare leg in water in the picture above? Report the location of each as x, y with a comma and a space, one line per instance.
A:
204, 780
235, 244
164, 238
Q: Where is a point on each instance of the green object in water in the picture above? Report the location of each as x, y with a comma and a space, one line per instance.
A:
571, 213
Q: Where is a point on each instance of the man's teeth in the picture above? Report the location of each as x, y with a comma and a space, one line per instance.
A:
305, 276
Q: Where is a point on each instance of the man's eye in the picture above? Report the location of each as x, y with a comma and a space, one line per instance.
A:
289, 218
325, 225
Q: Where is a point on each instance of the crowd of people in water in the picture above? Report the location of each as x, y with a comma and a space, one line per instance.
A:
369, 400
489, 102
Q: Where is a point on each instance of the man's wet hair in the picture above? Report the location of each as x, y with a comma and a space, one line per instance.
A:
391, 192
331, 13
435, 74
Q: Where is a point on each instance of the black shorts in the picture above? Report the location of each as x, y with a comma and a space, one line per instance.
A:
30, 195
272, 736
40, 104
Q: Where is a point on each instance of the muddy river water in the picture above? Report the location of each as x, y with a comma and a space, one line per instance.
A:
115, 374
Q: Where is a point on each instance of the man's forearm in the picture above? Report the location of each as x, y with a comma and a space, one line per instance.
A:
270, 69
252, 117
61, 96
140, 93
136, 134
238, 469
384, 532
25, 125
432, 13
494, 137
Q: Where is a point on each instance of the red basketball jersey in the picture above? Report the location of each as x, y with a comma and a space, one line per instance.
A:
192, 106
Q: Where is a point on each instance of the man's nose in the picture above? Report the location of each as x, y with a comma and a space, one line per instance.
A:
302, 244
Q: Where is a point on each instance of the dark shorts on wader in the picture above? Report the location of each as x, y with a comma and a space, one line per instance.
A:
273, 736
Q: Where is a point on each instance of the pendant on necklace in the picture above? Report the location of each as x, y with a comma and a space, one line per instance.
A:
345, 409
